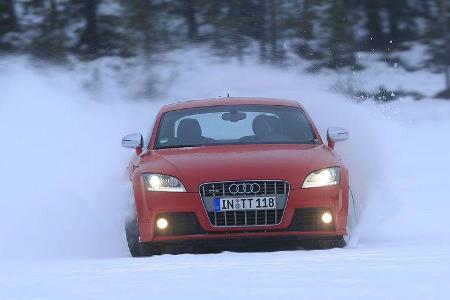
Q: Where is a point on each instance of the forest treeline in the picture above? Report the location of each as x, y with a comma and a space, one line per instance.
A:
329, 33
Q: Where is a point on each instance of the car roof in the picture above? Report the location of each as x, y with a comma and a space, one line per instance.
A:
230, 101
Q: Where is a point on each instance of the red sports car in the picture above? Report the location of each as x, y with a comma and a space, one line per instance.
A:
233, 171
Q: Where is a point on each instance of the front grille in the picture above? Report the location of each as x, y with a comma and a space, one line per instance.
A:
246, 218
180, 223
272, 187
277, 188
309, 219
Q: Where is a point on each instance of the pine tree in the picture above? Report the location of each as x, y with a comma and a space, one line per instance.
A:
276, 48
102, 32
189, 11
51, 41
261, 29
338, 42
146, 31
300, 20
441, 57
434, 37
376, 39
232, 25
8, 22
88, 43
8, 18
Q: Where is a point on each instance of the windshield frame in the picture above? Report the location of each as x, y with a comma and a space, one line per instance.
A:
156, 129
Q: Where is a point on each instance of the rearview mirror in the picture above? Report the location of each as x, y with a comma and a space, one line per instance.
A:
234, 116
336, 134
133, 141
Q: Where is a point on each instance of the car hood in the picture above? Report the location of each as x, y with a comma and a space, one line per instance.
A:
196, 165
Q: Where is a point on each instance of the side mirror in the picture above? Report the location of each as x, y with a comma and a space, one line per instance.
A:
336, 134
133, 141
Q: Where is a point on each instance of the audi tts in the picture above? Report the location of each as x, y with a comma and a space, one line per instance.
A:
237, 171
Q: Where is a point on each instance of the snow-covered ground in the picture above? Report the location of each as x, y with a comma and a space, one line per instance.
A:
63, 194
385, 270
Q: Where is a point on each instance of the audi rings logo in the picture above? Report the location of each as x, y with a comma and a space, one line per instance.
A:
244, 188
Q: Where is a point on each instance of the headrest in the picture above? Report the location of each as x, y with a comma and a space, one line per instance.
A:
189, 128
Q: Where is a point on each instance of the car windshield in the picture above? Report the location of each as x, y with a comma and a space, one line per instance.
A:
234, 125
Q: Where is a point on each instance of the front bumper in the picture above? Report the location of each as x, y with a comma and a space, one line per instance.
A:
188, 220
233, 243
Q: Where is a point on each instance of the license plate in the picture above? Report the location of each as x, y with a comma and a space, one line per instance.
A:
245, 203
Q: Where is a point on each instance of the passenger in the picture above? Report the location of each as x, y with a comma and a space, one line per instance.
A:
261, 126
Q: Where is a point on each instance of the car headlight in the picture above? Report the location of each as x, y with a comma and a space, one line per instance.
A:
162, 183
324, 177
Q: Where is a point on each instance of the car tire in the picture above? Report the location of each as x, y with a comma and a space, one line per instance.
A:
138, 249
351, 218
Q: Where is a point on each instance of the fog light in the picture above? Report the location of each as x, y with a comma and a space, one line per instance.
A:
162, 223
327, 218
